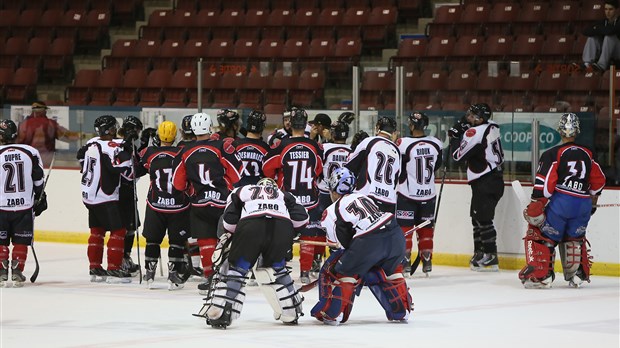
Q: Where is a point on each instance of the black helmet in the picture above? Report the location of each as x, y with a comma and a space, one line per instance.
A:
132, 123
105, 124
8, 131
289, 112
340, 130
346, 117
299, 118
418, 120
386, 124
482, 110
256, 121
227, 118
186, 125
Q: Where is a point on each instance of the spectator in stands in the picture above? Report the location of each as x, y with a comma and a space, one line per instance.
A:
41, 132
603, 43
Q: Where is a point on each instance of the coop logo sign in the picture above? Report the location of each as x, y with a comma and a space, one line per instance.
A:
520, 136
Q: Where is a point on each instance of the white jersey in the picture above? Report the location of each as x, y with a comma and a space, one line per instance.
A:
252, 201
334, 156
21, 170
376, 162
101, 170
421, 157
351, 216
481, 147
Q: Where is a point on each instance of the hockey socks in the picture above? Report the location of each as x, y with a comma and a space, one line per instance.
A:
115, 249
206, 247
95, 247
20, 252
307, 252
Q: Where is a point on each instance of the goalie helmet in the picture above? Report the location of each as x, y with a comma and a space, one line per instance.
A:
105, 125
418, 120
256, 121
186, 125
299, 119
342, 181
386, 124
8, 131
227, 118
340, 130
201, 123
481, 110
267, 182
132, 123
167, 131
568, 126
346, 117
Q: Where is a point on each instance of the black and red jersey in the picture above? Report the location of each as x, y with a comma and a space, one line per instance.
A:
162, 196
570, 169
251, 152
296, 163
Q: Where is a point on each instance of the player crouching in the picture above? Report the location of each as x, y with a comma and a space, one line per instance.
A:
262, 221
371, 253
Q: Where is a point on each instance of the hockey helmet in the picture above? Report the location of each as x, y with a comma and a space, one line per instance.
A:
267, 182
8, 131
299, 119
342, 181
256, 121
340, 130
418, 120
568, 126
346, 117
132, 123
105, 125
288, 113
481, 110
167, 131
386, 124
186, 125
201, 123
227, 118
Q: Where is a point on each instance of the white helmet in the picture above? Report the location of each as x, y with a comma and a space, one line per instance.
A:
201, 123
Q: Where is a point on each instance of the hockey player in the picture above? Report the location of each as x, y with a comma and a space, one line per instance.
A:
370, 252
297, 162
568, 183
207, 170
252, 149
103, 161
286, 131
376, 161
167, 210
229, 124
260, 220
21, 189
421, 157
187, 134
475, 139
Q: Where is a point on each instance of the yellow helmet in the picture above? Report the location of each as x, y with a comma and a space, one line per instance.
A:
167, 131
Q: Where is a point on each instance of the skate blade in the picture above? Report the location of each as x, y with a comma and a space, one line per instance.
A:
493, 268
173, 286
574, 285
97, 279
18, 284
532, 285
195, 278
114, 280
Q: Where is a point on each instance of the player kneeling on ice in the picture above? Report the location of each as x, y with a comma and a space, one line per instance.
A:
259, 220
568, 182
372, 248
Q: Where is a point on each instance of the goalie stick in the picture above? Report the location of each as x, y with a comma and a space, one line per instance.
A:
35, 274
520, 193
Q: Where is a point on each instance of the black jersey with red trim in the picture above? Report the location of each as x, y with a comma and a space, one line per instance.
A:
296, 163
162, 196
570, 169
251, 152
207, 171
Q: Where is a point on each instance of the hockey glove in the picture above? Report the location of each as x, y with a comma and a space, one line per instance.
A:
357, 139
534, 214
458, 129
40, 205
221, 248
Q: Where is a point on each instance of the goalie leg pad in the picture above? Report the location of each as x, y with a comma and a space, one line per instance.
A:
228, 295
576, 261
336, 296
539, 258
391, 292
277, 286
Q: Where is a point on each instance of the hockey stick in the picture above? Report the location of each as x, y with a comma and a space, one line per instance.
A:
520, 193
135, 201
607, 205
35, 274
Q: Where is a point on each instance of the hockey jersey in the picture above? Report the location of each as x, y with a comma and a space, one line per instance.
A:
351, 216
334, 156
251, 152
296, 163
207, 170
421, 157
21, 177
570, 169
252, 201
103, 163
377, 162
481, 147
162, 195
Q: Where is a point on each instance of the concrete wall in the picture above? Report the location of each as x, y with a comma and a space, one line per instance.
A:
66, 220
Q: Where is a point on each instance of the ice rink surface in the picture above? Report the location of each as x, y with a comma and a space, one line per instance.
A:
455, 307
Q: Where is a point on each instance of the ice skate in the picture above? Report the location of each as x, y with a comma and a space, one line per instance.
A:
16, 275
98, 275
427, 263
473, 262
149, 274
4, 276
129, 266
304, 277
488, 263
316, 266
224, 320
203, 288
118, 276
407, 267
177, 275
196, 274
